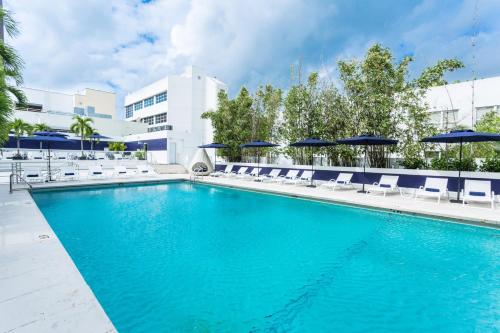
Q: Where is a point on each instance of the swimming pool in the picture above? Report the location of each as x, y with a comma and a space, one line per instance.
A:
179, 257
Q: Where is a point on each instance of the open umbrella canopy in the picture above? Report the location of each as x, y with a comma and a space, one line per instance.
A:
50, 134
312, 142
458, 136
213, 145
98, 136
367, 140
258, 144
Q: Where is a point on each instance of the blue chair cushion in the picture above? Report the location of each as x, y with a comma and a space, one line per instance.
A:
385, 185
69, 174
430, 189
97, 173
32, 176
477, 194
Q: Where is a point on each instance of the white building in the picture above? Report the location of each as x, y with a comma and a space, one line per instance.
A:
57, 110
172, 109
451, 105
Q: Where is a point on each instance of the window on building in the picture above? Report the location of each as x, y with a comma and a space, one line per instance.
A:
481, 111
149, 101
160, 128
161, 97
137, 106
129, 111
435, 118
148, 120
450, 119
161, 118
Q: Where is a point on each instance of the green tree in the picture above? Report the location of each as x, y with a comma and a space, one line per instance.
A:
19, 127
489, 123
82, 127
10, 76
232, 122
41, 127
384, 101
117, 146
302, 116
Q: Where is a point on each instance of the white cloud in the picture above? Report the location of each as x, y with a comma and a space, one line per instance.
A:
125, 44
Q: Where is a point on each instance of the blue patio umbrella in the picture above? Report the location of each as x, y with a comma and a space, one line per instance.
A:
48, 137
367, 140
258, 145
312, 142
96, 136
215, 146
461, 136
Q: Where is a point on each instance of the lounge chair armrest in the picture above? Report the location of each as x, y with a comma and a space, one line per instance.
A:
421, 188
376, 183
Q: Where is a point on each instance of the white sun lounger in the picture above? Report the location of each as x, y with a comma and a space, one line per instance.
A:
343, 180
253, 174
433, 188
33, 176
95, 172
120, 171
386, 184
305, 178
241, 172
100, 156
67, 173
273, 174
35, 155
478, 191
290, 175
145, 169
226, 171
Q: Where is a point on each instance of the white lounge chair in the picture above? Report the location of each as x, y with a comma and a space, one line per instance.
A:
343, 180
35, 155
95, 172
117, 156
273, 174
434, 188
146, 170
34, 176
478, 191
305, 178
253, 174
67, 173
241, 173
100, 156
226, 171
291, 175
386, 184
120, 171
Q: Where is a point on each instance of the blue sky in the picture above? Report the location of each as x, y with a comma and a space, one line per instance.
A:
122, 45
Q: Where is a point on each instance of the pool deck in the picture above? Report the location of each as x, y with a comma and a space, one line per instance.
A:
41, 290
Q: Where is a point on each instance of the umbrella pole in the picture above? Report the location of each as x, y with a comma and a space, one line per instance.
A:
50, 174
312, 168
459, 183
364, 172
258, 163
215, 160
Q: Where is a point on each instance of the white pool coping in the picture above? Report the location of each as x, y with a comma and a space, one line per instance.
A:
41, 290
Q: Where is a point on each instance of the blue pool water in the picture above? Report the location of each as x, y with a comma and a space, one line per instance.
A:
193, 258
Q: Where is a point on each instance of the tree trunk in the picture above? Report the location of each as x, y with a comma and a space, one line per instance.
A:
18, 146
81, 143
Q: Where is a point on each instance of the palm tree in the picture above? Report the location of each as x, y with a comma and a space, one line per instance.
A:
82, 128
41, 127
20, 127
10, 76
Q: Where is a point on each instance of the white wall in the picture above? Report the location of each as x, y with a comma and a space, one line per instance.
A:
51, 101
108, 127
458, 96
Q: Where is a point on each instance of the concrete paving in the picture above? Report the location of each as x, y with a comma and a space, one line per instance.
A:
41, 290
471, 213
